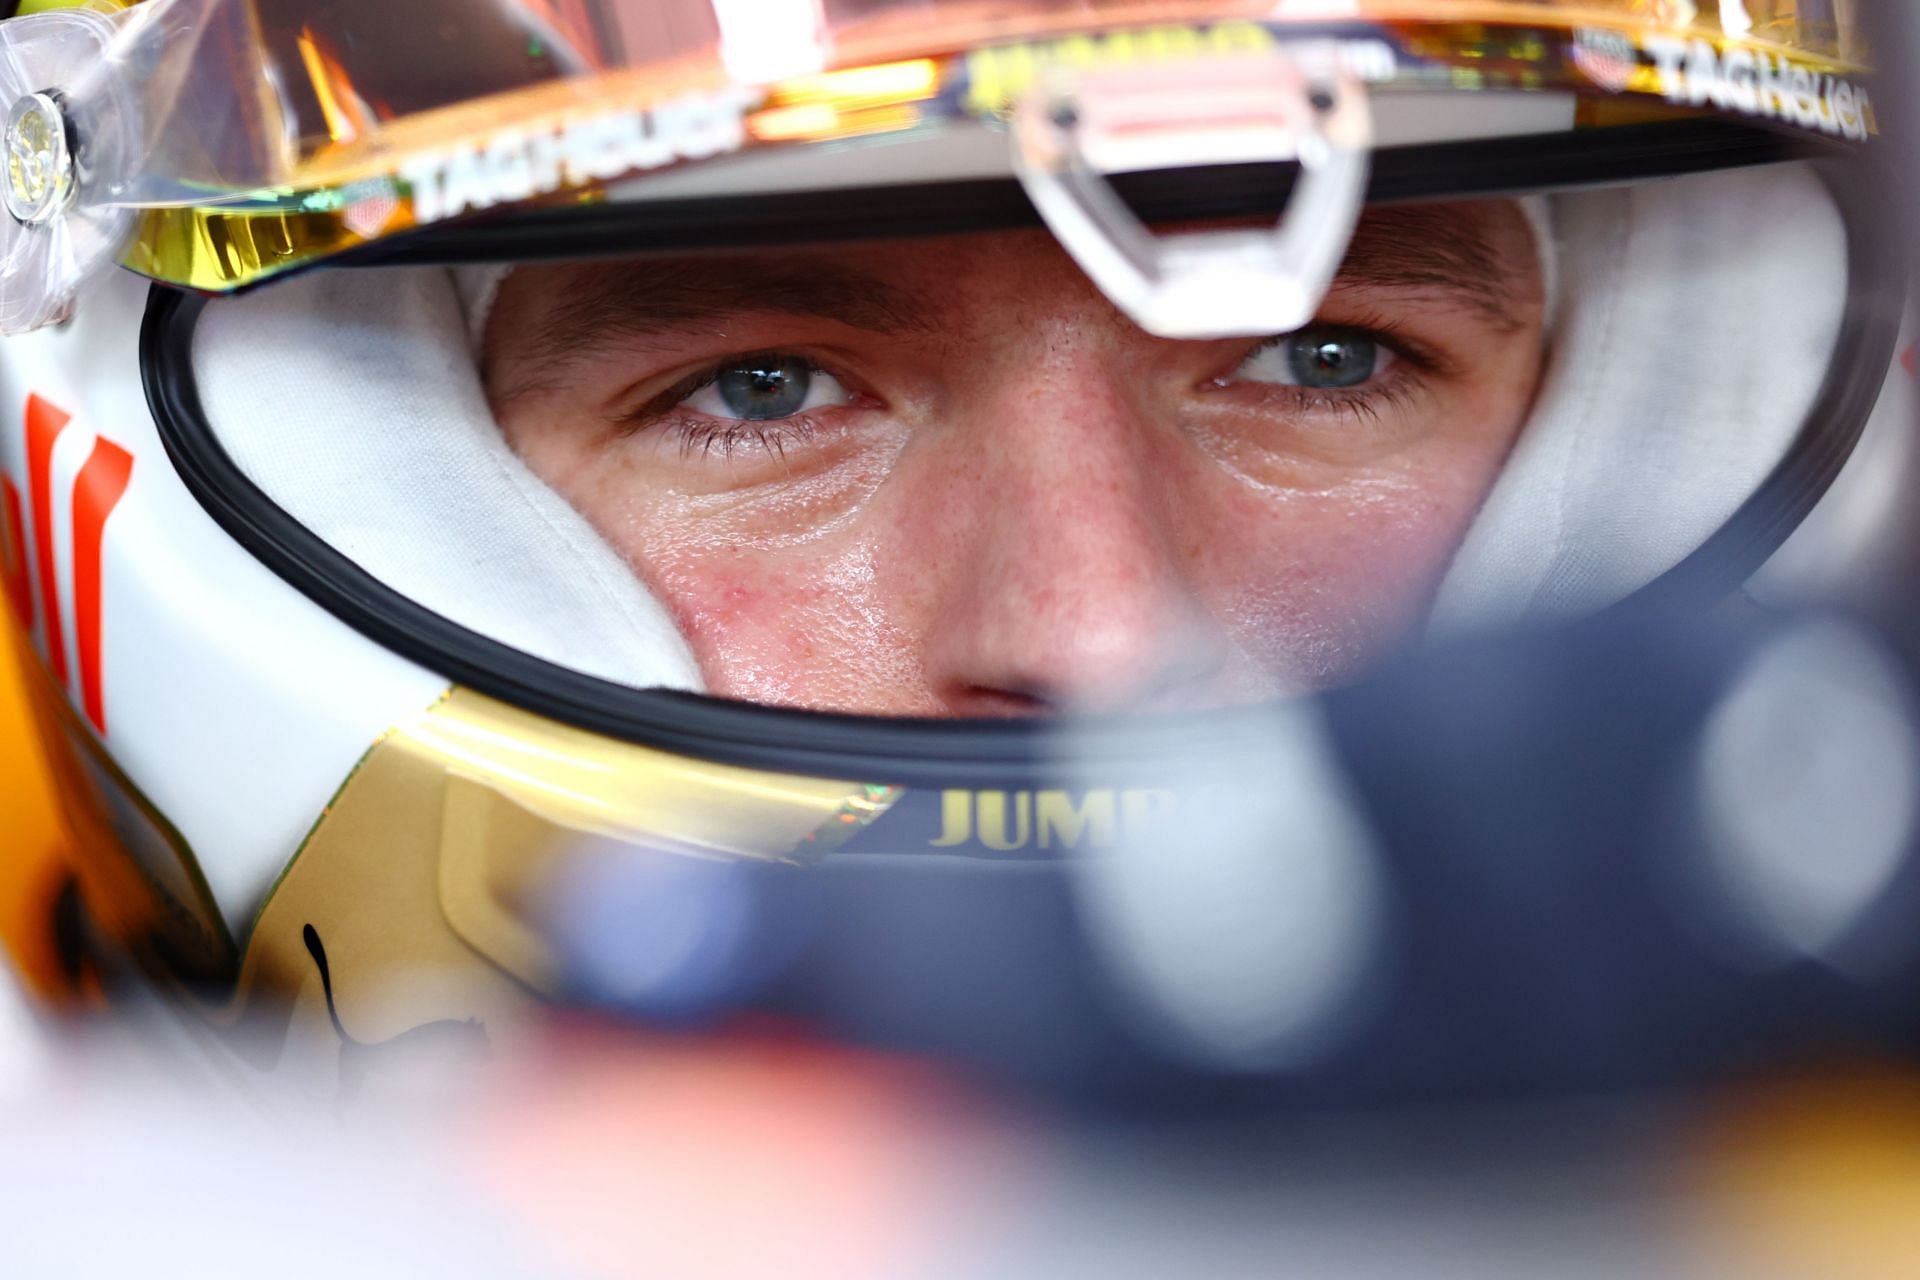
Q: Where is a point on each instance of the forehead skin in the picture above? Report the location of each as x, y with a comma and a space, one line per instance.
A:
1028, 504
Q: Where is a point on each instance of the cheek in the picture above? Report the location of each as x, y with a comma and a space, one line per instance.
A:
1316, 586
805, 626
774, 586
1321, 573
786, 602
1350, 571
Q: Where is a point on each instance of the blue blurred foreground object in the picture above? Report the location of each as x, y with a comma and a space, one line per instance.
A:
1643, 852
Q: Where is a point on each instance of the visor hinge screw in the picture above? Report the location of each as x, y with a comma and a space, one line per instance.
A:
39, 177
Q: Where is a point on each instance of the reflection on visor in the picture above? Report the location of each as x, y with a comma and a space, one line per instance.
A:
347, 73
218, 142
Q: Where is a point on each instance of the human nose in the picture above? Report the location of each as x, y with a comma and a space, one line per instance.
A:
1067, 590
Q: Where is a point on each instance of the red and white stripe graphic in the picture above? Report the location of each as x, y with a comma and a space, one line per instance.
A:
74, 480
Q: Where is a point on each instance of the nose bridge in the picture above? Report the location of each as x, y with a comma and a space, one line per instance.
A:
1072, 590
1064, 464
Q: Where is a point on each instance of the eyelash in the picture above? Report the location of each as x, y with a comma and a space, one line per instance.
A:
697, 433
1364, 404
705, 435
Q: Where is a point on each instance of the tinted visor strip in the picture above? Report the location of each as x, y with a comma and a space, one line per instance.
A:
1478, 168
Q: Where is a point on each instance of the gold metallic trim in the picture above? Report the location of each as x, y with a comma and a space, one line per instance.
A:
425, 877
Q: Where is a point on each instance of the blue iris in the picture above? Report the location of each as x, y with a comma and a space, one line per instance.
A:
1331, 358
765, 387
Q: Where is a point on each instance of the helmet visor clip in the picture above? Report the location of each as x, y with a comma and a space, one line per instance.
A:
1299, 105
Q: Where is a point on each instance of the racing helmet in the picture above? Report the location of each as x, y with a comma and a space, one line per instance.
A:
336, 681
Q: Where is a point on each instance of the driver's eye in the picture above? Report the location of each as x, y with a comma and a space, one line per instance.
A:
1319, 357
762, 388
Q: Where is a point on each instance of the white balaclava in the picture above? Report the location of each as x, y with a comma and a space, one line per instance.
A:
379, 440
1693, 322
1697, 320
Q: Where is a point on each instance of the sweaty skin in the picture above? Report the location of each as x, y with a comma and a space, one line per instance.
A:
1006, 499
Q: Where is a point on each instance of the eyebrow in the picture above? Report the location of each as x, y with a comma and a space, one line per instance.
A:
1438, 252
623, 301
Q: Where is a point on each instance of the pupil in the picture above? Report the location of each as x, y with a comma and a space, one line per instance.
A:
1322, 359
765, 387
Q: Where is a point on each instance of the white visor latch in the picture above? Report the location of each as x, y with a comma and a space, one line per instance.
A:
66, 149
39, 168
1300, 105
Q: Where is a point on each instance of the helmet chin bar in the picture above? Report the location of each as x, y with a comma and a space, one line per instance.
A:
1294, 105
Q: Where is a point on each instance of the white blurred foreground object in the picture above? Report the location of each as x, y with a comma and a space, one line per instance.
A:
27, 1053
594, 1156
1247, 925
1809, 778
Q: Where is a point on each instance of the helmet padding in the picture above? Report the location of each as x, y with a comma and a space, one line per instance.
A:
353, 400
1696, 321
